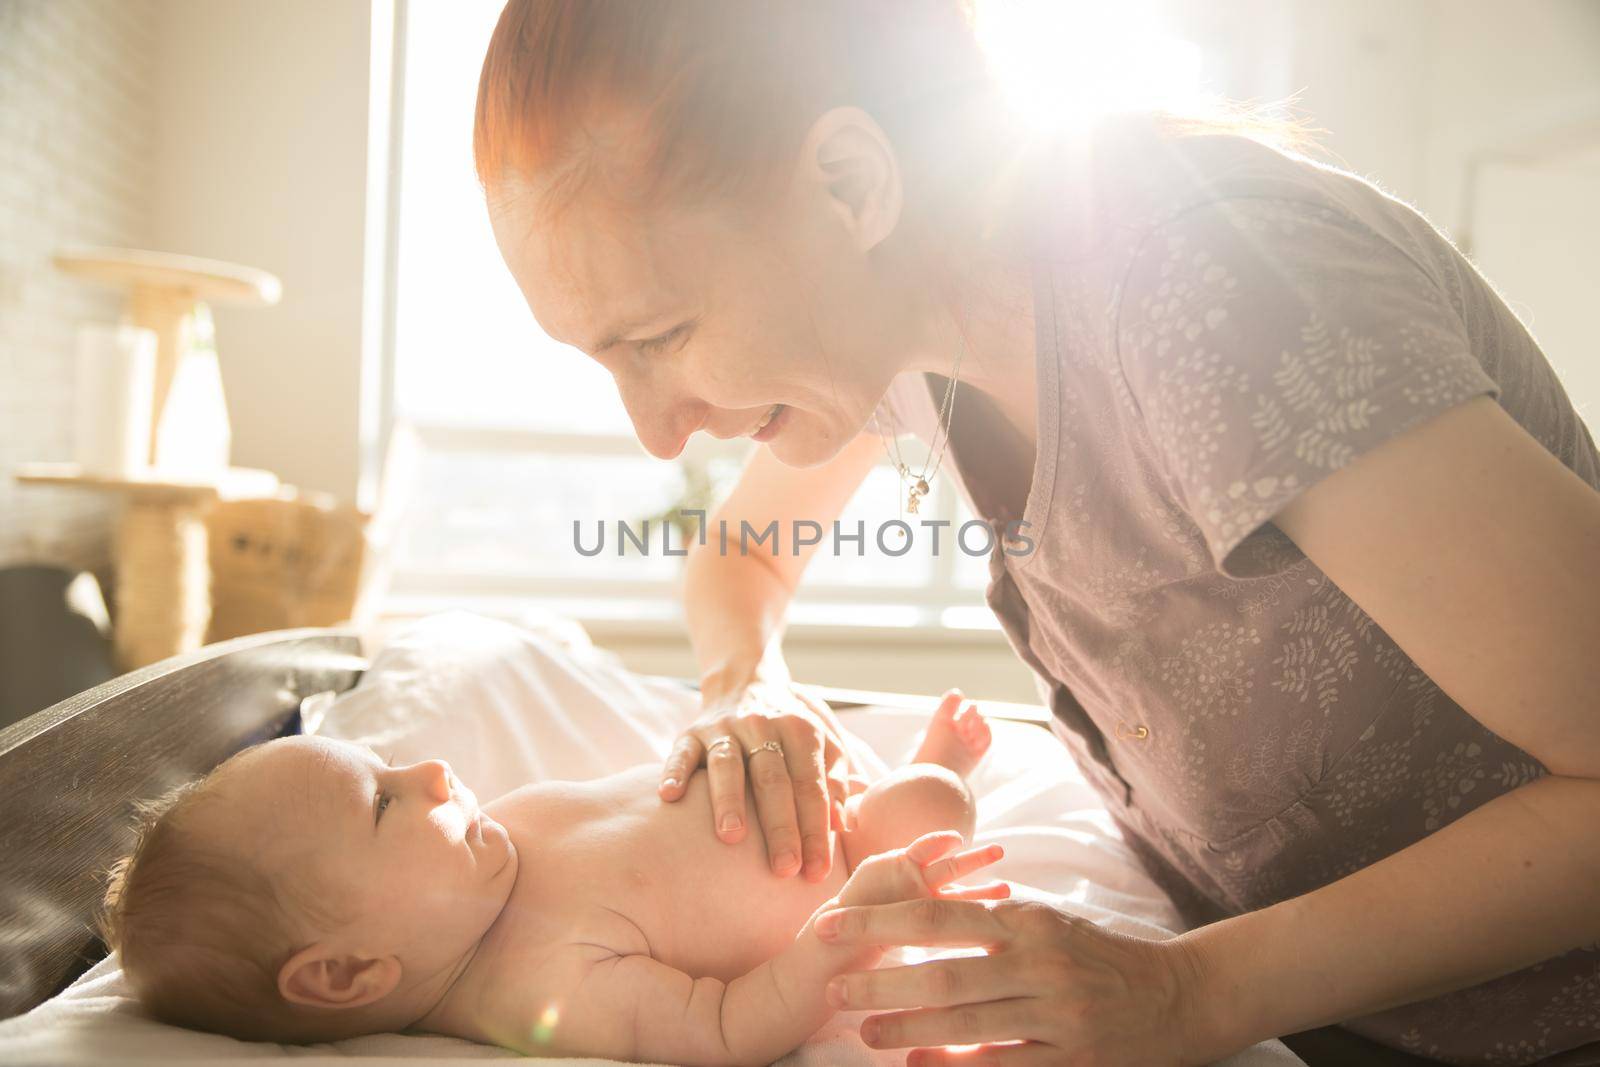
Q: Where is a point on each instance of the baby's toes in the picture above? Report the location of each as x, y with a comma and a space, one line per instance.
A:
982, 736
973, 728
967, 718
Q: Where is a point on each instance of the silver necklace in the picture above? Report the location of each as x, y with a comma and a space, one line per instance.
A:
918, 482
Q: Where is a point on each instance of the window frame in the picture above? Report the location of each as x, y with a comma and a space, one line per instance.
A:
930, 601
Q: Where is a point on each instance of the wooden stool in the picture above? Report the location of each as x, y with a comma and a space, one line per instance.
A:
163, 570
163, 591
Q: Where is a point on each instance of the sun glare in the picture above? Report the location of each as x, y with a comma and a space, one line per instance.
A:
1064, 62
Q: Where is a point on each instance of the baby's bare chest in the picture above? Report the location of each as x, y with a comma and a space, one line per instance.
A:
613, 866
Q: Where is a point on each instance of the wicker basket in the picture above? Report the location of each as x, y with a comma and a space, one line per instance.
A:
279, 562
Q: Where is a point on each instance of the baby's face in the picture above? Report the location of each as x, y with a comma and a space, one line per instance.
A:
409, 864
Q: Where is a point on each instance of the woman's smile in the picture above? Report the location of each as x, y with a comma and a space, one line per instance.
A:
771, 423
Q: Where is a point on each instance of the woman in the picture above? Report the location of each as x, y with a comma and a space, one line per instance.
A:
1302, 533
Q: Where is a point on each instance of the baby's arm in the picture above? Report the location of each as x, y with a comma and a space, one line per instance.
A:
904, 805
637, 1008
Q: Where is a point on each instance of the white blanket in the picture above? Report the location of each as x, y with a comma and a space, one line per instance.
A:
505, 706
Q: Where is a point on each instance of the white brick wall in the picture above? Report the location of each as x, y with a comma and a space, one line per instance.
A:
77, 133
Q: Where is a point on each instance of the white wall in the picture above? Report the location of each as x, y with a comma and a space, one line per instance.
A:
76, 131
1418, 95
262, 159
237, 131
1529, 136
1501, 73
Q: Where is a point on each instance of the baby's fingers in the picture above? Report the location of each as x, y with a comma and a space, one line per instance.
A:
951, 868
986, 891
929, 847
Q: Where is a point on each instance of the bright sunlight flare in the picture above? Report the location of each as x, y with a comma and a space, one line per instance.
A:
1063, 62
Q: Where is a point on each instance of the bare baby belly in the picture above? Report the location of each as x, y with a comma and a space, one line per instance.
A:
721, 909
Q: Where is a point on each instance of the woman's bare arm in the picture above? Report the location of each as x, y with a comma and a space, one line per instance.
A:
1479, 553
735, 603
1499, 889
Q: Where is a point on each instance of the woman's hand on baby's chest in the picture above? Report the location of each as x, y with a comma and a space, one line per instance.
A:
776, 760
715, 903
703, 906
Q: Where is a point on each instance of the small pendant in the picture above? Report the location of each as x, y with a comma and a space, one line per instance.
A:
922, 487
912, 500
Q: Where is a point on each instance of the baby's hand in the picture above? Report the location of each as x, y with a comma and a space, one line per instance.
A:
924, 868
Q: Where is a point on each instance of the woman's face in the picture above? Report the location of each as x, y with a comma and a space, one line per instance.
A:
712, 320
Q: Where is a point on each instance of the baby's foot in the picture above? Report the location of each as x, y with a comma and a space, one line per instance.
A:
957, 737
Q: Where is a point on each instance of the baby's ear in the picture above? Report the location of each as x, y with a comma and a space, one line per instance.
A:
319, 977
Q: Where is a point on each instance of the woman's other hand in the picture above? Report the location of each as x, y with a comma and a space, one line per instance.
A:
1066, 989
786, 742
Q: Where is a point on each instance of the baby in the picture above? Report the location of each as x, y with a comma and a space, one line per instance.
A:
308, 891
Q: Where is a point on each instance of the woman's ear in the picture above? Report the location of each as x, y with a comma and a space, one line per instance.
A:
318, 977
849, 158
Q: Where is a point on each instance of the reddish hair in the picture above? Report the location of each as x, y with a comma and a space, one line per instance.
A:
687, 103
714, 96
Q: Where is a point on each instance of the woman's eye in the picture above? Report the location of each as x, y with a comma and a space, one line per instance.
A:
654, 345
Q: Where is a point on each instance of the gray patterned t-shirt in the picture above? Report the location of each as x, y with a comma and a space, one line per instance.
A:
1219, 327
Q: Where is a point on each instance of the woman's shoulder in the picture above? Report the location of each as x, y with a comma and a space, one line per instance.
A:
1097, 198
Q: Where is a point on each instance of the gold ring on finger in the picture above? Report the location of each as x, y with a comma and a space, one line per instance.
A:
726, 740
768, 746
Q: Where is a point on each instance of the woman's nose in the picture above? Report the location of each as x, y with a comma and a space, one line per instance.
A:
663, 428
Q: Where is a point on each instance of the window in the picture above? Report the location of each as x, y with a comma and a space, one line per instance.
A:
522, 437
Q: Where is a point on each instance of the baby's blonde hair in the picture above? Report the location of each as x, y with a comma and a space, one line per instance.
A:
202, 929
